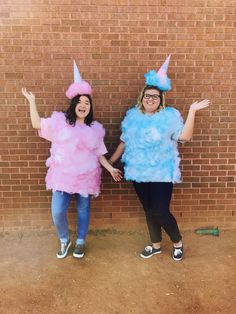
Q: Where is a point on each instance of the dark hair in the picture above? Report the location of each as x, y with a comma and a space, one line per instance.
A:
148, 87
71, 115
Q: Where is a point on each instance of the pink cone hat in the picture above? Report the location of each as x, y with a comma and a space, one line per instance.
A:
79, 87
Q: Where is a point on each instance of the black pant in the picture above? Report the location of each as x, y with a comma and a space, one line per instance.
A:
155, 198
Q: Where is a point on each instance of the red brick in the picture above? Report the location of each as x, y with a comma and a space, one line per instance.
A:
114, 44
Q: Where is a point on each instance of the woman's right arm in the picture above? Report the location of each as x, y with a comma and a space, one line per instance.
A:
34, 115
118, 152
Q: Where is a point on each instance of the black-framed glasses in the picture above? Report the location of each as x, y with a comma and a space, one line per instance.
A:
154, 97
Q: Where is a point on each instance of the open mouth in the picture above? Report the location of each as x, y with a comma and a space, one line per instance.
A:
81, 110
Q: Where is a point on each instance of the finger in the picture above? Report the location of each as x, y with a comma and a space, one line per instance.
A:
202, 101
117, 177
205, 101
118, 174
201, 107
204, 105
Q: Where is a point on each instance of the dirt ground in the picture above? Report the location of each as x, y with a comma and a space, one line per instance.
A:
112, 278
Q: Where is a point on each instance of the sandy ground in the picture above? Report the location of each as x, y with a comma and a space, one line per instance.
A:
112, 278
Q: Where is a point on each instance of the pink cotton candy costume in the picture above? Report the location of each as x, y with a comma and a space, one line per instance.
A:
74, 165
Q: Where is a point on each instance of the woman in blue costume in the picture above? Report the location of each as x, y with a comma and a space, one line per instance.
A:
150, 134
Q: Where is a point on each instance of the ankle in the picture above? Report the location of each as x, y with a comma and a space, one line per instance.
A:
178, 245
156, 245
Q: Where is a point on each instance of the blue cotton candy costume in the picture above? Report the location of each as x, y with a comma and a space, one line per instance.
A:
151, 153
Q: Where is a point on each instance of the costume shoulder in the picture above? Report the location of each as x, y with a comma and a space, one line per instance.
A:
173, 112
131, 117
51, 127
98, 127
132, 111
58, 116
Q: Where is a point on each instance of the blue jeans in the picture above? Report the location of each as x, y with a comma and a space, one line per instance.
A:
60, 203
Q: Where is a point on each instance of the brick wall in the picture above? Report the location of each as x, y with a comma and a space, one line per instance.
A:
114, 44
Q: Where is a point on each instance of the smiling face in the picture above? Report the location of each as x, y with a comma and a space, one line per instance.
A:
82, 109
151, 101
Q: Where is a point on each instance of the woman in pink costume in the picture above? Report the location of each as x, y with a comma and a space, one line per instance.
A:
77, 152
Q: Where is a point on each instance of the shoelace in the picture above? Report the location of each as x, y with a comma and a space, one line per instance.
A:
63, 246
148, 248
177, 251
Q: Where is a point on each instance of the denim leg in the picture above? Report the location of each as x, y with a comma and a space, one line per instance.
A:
83, 209
60, 204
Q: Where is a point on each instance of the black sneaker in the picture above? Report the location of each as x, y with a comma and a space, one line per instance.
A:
149, 251
64, 249
79, 250
177, 253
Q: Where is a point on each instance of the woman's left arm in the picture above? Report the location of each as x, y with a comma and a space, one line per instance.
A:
115, 173
187, 131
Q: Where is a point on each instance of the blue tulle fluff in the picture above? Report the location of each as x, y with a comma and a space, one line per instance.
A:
151, 153
159, 80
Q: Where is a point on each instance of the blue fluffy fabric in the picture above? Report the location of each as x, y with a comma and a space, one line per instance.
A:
159, 80
151, 153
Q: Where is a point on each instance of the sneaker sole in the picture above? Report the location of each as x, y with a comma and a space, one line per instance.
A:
66, 252
177, 259
78, 255
143, 256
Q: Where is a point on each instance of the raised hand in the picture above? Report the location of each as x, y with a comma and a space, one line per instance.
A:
28, 95
34, 115
187, 131
198, 105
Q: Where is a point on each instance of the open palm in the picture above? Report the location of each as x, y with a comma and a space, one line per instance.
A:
28, 95
198, 105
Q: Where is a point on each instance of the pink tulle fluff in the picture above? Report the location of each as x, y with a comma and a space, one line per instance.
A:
81, 88
74, 162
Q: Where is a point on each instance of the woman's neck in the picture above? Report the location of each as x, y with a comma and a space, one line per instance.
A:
80, 121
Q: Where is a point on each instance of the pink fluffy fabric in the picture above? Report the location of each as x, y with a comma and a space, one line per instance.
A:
82, 88
74, 165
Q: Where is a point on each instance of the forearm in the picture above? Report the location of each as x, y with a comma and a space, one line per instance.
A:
103, 161
34, 115
118, 152
187, 131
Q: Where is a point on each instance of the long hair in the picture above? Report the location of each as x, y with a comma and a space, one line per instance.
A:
140, 97
71, 115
